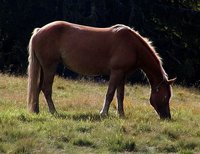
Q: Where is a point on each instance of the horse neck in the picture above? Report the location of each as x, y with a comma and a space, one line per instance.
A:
152, 67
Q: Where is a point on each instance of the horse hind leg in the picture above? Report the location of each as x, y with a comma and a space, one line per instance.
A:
116, 78
48, 77
38, 90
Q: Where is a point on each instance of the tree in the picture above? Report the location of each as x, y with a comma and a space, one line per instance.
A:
173, 26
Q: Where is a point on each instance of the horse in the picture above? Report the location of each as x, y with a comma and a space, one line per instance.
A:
116, 51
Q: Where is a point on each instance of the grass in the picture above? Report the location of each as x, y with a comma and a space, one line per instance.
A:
78, 128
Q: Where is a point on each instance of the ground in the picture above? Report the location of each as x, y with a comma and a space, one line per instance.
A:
78, 127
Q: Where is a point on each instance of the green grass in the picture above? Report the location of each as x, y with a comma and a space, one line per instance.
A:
78, 128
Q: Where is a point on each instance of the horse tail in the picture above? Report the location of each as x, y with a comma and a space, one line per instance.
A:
34, 77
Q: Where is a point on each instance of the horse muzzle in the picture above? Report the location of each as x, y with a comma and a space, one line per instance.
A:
164, 114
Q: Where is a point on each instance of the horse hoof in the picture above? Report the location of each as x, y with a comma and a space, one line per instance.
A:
103, 114
36, 111
122, 116
53, 112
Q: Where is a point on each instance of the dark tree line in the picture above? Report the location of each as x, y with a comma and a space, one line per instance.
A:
173, 26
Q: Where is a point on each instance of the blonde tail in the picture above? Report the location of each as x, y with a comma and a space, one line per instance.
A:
34, 78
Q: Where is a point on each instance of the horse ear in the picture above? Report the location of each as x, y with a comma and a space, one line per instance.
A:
171, 81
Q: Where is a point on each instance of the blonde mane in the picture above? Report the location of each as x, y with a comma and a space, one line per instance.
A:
153, 51
147, 42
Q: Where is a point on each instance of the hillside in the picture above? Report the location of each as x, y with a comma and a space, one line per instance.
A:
78, 126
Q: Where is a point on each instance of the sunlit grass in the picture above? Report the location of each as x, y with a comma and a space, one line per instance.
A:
79, 128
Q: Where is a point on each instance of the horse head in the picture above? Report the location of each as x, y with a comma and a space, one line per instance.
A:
160, 97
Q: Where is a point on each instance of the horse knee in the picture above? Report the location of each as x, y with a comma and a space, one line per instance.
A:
120, 97
47, 92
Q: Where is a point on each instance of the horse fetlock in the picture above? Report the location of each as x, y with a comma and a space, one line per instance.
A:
121, 114
33, 109
33, 106
53, 111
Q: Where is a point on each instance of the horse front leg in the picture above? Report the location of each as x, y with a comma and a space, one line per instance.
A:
115, 78
120, 98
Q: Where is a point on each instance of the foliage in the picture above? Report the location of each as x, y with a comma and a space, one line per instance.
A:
173, 26
78, 126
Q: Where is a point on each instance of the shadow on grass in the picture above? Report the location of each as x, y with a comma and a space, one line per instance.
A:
83, 143
80, 116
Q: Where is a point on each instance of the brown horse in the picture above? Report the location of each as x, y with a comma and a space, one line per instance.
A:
116, 51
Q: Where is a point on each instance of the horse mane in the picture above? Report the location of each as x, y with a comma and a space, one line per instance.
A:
155, 54
147, 42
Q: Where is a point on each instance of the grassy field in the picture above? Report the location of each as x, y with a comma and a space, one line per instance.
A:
78, 128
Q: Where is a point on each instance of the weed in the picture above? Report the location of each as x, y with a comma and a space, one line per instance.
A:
188, 144
64, 139
83, 142
171, 134
119, 144
2, 148
168, 147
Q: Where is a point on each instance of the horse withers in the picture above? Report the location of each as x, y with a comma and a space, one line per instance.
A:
116, 51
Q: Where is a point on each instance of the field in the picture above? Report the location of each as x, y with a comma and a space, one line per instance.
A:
78, 128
